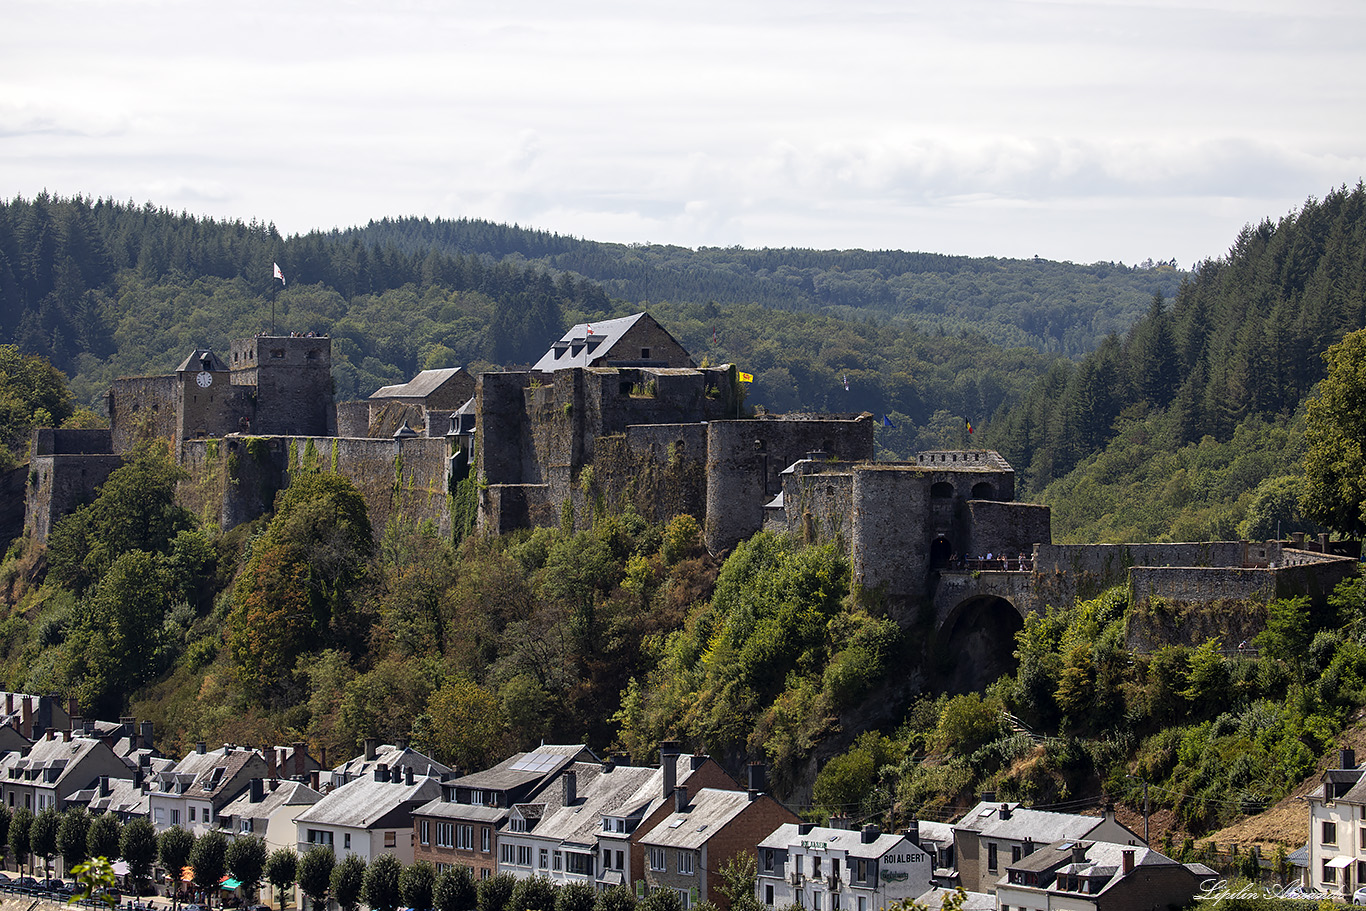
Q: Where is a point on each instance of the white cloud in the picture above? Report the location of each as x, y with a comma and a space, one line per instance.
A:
1079, 130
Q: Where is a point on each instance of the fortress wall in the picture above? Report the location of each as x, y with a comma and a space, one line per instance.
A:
353, 419
890, 545
1006, 528
658, 469
404, 479
54, 441
13, 502
1065, 572
500, 443
58, 484
745, 460
141, 408
1315, 578
820, 506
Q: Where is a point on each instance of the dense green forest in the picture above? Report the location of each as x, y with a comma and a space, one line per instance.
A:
1188, 426
1057, 308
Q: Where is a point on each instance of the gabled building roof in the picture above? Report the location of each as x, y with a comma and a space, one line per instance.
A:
390, 756
1099, 865
707, 812
420, 386
595, 344
212, 775
849, 841
531, 768
1013, 822
368, 803
53, 762
597, 791
126, 798
274, 794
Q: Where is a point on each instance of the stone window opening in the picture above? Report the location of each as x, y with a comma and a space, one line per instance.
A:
941, 490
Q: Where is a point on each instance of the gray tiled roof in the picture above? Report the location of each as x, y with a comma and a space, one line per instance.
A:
524, 768
1042, 826
362, 803
389, 755
708, 811
419, 387
848, 840
276, 794
569, 350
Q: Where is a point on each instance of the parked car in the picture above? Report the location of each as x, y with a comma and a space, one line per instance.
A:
25, 884
1359, 896
55, 886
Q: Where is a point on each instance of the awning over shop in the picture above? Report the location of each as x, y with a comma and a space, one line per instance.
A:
1340, 862
230, 883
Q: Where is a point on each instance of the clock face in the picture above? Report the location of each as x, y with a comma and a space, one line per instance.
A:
204, 379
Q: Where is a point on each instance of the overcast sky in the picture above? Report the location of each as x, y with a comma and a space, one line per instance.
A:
1078, 131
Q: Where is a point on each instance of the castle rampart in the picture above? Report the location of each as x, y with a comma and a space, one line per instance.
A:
65, 467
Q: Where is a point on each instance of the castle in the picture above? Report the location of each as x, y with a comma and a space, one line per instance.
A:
615, 415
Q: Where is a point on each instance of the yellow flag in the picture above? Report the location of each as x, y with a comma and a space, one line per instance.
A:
746, 377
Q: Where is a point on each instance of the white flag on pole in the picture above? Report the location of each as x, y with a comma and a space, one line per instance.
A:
278, 274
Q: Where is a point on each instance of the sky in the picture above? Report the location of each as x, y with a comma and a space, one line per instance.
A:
1083, 131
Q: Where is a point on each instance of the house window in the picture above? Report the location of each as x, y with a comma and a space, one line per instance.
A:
517, 824
991, 858
862, 872
320, 837
862, 903
543, 859
815, 868
606, 859
768, 896
558, 860
578, 863
768, 860
484, 839
1361, 871
683, 898
834, 901
506, 854
246, 825
645, 356
175, 817
1330, 833
816, 900
606, 824
685, 862
191, 814
1014, 854
445, 835
524, 855
464, 838
424, 831
621, 825
1330, 875
657, 861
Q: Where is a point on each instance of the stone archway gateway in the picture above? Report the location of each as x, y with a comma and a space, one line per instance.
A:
976, 643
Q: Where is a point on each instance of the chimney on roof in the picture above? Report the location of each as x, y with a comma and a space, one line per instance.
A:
870, 833
371, 746
1347, 758
1078, 853
988, 797
912, 832
1005, 811
77, 723
1128, 855
570, 784
104, 785
697, 760
138, 777
1028, 846
681, 799
408, 775
322, 755
258, 790
668, 754
201, 747
608, 764
313, 779
73, 706
146, 728
88, 725
300, 753
270, 762
382, 772
804, 828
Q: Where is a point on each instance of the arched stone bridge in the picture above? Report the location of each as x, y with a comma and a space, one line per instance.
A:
976, 617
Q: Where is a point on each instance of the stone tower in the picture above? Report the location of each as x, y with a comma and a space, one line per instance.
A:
292, 376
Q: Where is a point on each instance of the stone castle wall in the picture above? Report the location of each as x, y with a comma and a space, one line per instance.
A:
404, 479
890, 544
1006, 528
142, 408
745, 460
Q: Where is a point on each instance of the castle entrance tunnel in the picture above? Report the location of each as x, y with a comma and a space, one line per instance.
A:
977, 643
940, 552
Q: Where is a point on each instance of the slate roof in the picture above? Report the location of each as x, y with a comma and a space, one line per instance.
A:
206, 775
1103, 861
597, 791
388, 755
276, 794
195, 361
364, 803
544, 762
124, 798
707, 813
419, 387
58, 754
649, 793
1043, 826
848, 840
975, 901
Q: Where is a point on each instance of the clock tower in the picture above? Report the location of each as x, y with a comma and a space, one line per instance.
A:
206, 404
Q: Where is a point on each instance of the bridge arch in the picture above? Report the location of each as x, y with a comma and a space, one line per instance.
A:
976, 641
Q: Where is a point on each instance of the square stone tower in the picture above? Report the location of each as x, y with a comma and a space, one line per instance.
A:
293, 380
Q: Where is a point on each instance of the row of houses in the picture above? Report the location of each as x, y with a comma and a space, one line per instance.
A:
563, 813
